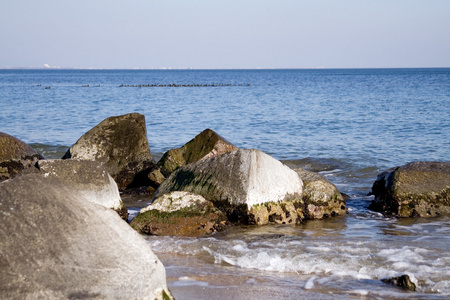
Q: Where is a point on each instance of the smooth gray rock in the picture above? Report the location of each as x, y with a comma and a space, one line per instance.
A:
55, 244
206, 144
15, 156
417, 189
120, 144
241, 182
88, 178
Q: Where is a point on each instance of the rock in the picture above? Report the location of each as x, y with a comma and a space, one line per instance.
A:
249, 186
181, 214
152, 175
417, 189
55, 244
322, 198
207, 144
120, 143
402, 281
88, 178
15, 156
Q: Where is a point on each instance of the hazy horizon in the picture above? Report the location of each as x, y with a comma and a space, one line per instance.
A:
255, 34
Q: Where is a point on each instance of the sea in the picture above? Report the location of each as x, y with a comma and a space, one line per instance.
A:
347, 124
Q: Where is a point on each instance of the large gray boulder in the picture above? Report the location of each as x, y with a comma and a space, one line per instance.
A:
56, 244
15, 156
417, 189
322, 198
248, 185
88, 178
205, 145
120, 144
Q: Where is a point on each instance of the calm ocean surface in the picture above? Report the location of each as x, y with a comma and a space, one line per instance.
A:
347, 124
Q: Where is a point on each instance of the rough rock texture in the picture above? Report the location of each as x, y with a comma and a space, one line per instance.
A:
413, 190
322, 198
402, 281
285, 212
120, 143
179, 213
15, 156
239, 180
207, 144
88, 178
55, 244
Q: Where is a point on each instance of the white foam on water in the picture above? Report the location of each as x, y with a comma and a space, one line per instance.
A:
327, 258
330, 172
310, 283
321, 249
360, 292
132, 213
187, 281
404, 254
442, 287
240, 248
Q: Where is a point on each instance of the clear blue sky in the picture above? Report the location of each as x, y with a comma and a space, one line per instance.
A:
225, 33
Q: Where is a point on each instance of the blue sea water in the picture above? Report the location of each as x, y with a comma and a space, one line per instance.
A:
347, 124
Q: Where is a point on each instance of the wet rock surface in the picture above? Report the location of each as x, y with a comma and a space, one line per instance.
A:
417, 189
401, 281
56, 244
120, 144
207, 144
15, 156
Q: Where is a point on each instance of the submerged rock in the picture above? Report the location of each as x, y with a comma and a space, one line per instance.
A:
402, 281
88, 178
322, 198
56, 244
207, 144
417, 189
15, 156
120, 143
179, 213
248, 185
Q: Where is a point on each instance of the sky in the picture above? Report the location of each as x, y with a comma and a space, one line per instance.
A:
224, 34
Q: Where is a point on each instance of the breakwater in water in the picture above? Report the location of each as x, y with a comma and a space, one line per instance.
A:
348, 125
183, 85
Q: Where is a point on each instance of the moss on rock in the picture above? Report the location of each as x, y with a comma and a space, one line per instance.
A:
286, 212
207, 144
179, 213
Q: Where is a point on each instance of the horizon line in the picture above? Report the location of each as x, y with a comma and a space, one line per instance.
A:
190, 68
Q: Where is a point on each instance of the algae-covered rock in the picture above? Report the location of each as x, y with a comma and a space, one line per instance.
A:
401, 281
181, 214
56, 244
321, 197
15, 156
120, 143
285, 212
88, 178
417, 189
207, 144
239, 183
